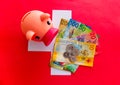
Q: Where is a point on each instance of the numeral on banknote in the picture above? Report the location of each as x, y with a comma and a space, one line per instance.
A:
82, 27
91, 47
93, 36
73, 23
63, 22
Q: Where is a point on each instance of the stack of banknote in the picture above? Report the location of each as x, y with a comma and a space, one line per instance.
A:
75, 45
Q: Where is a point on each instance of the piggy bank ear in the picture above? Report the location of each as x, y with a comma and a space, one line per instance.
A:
29, 35
44, 16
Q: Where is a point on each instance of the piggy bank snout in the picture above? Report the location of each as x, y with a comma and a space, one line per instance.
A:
49, 36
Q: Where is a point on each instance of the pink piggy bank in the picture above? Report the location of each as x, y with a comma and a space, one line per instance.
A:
37, 26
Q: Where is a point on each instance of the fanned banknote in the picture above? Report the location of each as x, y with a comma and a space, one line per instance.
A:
64, 66
74, 52
62, 26
75, 29
88, 37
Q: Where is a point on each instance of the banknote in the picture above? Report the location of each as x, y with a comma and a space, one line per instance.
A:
62, 27
75, 28
88, 37
64, 66
73, 52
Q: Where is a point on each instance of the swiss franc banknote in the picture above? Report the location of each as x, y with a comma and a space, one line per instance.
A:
75, 29
89, 38
64, 66
74, 52
62, 26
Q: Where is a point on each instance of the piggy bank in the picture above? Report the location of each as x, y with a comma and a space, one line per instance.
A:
37, 26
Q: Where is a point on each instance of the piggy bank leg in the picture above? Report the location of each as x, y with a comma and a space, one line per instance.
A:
29, 35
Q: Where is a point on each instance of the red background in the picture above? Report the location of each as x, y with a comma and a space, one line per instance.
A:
20, 67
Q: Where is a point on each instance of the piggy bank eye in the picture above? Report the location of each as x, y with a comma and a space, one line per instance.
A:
48, 22
37, 37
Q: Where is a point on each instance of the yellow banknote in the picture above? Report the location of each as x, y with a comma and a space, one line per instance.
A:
73, 52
